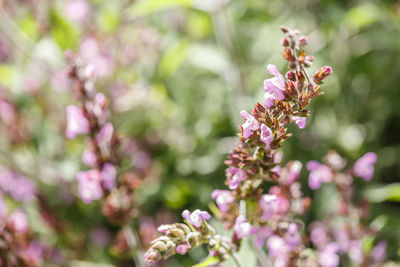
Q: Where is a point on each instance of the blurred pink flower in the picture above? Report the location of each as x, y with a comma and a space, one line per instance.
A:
89, 187
76, 122
268, 206
328, 257
77, 10
319, 173
18, 221
108, 175
364, 167
243, 228
223, 199
17, 186
238, 175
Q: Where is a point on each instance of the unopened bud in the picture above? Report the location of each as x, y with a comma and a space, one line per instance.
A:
178, 233
303, 40
284, 29
321, 74
290, 75
285, 42
159, 246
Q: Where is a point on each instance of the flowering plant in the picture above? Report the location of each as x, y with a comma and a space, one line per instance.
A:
272, 217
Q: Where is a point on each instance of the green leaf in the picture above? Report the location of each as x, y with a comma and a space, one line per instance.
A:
389, 192
6, 74
146, 7
173, 58
207, 262
65, 34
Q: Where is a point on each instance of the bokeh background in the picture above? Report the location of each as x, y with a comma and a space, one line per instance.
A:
178, 72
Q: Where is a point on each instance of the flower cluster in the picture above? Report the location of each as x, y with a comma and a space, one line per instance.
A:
17, 244
246, 208
181, 238
343, 231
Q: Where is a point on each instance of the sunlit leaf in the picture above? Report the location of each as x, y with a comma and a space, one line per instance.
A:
207, 262
65, 34
173, 58
389, 192
146, 7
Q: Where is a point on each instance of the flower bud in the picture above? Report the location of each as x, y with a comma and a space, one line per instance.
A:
290, 75
321, 74
303, 40
285, 42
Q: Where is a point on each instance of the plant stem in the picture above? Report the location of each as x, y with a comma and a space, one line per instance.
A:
232, 254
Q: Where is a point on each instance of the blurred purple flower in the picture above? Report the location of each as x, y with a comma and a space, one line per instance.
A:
266, 136
292, 236
319, 173
262, 233
250, 125
76, 122
105, 134
268, 206
328, 257
17, 186
196, 217
277, 247
379, 252
108, 175
238, 175
77, 10
364, 167
294, 171
89, 187
300, 121
318, 235
223, 199
243, 228
18, 221
89, 158
7, 111
33, 254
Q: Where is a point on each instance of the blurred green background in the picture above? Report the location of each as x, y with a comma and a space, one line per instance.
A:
178, 72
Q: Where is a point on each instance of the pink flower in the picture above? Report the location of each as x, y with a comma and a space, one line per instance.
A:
105, 134
77, 10
250, 125
196, 217
277, 247
17, 186
238, 175
300, 121
328, 257
243, 228
319, 173
183, 248
3, 209
292, 236
89, 158
379, 252
34, 254
89, 188
268, 206
319, 236
108, 175
18, 221
364, 167
274, 87
76, 122
266, 136
294, 171
262, 233
282, 203
223, 199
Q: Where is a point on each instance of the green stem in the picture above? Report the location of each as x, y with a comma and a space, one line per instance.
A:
232, 254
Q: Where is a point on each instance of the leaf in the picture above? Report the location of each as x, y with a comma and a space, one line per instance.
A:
146, 7
173, 58
6, 74
65, 34
389, 192
207, 262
